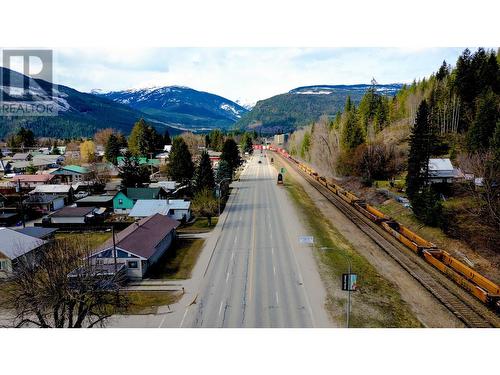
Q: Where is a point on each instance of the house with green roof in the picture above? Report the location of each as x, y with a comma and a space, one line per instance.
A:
125, 199
72, 173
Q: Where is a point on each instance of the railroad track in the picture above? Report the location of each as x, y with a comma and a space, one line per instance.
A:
435, 283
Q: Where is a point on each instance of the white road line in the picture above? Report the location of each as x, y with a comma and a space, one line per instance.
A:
274, 270
277, 299
235, 239
183, 317
220, 308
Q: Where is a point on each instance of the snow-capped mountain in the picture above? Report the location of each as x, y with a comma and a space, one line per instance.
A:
178, 105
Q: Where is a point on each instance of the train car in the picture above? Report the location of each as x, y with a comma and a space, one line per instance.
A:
370, 212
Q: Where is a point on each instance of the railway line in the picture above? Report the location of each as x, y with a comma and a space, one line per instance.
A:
468, 310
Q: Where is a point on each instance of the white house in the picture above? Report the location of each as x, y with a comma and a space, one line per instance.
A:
177, 209
441, 171
138, 246
13, 245
72, 215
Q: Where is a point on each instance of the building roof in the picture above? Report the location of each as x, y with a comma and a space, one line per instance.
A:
148, 207
14, 244
142, 237
42, 198
440, 168
33, 178
143, 193
76, 169
21, 156
52, 189
96, 199
37, 162
73, 212
167, 185
37, 232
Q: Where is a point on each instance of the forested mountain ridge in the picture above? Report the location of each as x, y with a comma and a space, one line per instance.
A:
181, 106
79, 114
304, 105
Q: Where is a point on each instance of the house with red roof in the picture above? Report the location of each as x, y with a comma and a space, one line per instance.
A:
139, 246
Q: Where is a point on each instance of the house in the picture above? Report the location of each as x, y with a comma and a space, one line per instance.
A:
5, 167
21, 166
177, 209
71, 174
14, 245
22, 156
73, 215
72, 151
38, 232
440, 171
65, 191
139, 246
96, 201
125, 199
44, 203
168, 186
31, 181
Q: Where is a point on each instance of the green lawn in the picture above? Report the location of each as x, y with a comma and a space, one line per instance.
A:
200, 225
377, 303
179, 262
142, 303
93, 239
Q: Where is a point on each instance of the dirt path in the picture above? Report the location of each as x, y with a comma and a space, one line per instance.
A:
425, 307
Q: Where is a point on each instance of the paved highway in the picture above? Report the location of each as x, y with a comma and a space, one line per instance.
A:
258, 275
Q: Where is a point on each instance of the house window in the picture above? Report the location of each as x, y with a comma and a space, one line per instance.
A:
133, 264
120, 201
3, 265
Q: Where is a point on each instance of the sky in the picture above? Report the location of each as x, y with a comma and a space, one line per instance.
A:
244, 74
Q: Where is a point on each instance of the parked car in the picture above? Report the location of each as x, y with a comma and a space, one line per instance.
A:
81, 194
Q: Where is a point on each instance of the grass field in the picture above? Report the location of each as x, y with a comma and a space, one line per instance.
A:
142, 303
200, 225
93, 239
178, 263
377, 302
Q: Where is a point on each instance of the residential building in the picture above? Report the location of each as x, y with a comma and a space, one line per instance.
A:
96, 201
22, 156
139, 246
73, 215
31, 181
5, 167
44, 203
65, 191
14, 245
71, 174
38, 232
441, 171
177, 209
125, 199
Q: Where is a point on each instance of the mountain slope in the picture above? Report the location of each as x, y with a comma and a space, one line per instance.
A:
79, 114
303, 105
181, 106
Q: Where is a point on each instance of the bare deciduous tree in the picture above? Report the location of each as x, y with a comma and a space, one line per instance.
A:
60, 288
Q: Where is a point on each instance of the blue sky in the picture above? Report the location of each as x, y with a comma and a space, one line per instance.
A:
245, 74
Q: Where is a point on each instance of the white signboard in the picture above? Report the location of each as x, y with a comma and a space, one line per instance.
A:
306, 239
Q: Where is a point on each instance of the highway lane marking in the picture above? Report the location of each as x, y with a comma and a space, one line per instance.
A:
220, 308
277, 299
250, 290
274, 270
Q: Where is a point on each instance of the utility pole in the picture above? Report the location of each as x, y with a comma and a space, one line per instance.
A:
21, 205
114, 248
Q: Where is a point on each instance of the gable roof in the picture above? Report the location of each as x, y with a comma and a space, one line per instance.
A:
143, 193
96, 199
52, 188
37, 232
147, 207
142, 237
73, 212
21, 156
441, 168
13, 244
33, 178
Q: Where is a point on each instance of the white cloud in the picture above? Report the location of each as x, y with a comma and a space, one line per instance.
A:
249, 74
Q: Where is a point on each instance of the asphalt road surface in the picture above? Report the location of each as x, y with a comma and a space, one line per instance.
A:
259, 275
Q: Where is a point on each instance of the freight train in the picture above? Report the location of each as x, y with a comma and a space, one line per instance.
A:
479, 286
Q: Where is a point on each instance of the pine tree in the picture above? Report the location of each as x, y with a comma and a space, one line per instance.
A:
246, 143
223, 171
231, 154
180, 164
483, 126
443, 72
204, 175
112, 149
144, 139
352, 133
131, 173
166, 138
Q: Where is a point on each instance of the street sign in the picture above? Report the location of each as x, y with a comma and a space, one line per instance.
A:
349, 281
306, 240
282, 170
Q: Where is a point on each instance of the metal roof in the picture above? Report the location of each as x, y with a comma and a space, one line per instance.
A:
148, 207
38, 232
51, 188
96, 199
441, 168
142, 238
73, 212
14, 244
